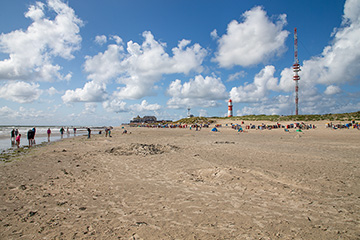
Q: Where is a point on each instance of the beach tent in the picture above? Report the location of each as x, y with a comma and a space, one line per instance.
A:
214, 129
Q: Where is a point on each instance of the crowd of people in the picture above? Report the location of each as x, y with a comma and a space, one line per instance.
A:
263, 126
173, 125
16, 136
351, 124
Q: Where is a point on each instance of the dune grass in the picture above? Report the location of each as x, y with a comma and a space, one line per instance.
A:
277, 118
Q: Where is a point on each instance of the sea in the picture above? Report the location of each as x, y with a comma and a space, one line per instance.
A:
40, 136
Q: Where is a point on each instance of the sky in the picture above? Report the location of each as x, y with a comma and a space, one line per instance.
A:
102, 63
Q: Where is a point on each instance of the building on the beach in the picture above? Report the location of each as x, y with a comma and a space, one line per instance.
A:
146, 120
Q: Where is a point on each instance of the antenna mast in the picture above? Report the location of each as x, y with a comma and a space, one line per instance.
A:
296, 69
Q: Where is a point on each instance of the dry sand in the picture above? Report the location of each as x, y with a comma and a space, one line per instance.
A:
182, 184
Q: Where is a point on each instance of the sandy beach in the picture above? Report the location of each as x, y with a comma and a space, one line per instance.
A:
186, 184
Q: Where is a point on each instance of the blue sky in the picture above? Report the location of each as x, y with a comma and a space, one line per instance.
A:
90, 63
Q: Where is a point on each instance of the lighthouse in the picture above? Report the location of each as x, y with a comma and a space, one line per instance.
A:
230, 111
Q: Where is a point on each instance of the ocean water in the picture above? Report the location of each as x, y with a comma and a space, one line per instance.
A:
40, 136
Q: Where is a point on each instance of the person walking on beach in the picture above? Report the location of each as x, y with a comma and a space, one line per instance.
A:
12, 137
68, 132
48, 133
18, 140
89, 132
33, 139
30, 137
74, 131
62, 132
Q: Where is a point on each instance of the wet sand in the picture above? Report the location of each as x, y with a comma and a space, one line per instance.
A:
182, 184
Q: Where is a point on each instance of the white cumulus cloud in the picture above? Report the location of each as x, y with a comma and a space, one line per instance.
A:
258, 90
214, 34
21, 92
101, 39
145, 106
31, 52
144, 65
117, 39
252, 41
236, 76
104, 66
138, 67
92, 92
115, 105
331, 90
272, 106
199, 91
52, 91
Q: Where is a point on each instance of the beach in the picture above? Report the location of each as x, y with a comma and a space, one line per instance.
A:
177, 183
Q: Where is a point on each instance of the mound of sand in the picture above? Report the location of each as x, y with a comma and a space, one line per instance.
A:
141, 149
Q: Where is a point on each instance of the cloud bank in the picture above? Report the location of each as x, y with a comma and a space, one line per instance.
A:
31, 52
137, 68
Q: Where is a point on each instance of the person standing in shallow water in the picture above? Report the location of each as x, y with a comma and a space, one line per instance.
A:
48, 133
62, 132
33, 139
18, 140
89, 132
13, 137
30, 137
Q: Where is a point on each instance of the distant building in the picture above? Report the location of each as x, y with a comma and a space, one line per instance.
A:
146, 119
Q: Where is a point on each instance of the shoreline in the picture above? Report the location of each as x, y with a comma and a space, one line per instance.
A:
41, 137
6, 145
8, 154
225, 124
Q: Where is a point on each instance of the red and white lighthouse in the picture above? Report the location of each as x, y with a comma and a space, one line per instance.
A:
230, 111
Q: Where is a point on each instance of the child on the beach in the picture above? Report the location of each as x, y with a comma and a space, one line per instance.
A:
18, 140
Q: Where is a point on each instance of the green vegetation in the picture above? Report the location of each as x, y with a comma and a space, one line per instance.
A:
316, 117
277, 118
9, 155
194, 120
12, 153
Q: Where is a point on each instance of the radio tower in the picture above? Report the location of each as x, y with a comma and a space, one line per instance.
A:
296, 69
